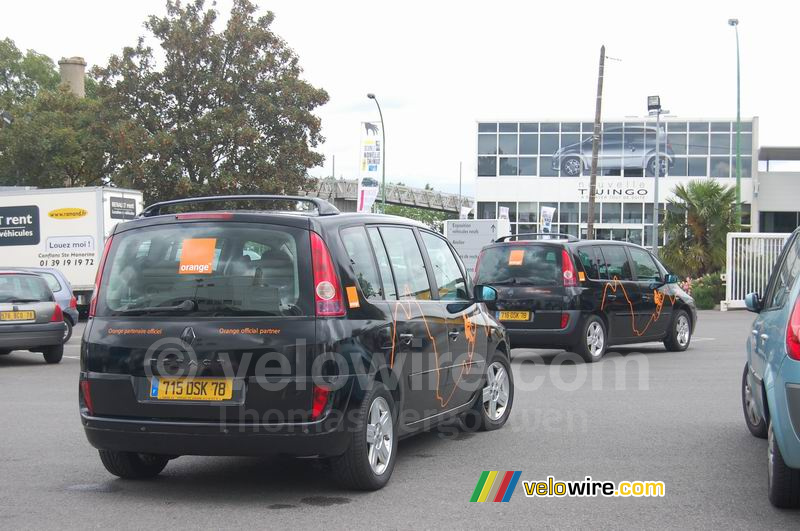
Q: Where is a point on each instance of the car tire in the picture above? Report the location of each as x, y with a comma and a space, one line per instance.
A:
68, 329
53, 354
679, 334
131, 465
783, 482
571, 166
651, 166
754, 421
368, 463
492, 406
593, 340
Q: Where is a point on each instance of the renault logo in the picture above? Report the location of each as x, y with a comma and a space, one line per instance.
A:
188, 336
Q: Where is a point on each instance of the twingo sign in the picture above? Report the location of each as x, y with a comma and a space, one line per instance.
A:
618, 189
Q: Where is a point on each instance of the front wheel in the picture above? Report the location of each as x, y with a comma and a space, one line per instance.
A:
755, 422
369, 460
679, 334
571, 166
783, 482
131, 465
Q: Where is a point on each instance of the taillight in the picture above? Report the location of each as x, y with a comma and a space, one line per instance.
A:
98, 276
328, 297
73, 302
568, 272
564, 320
58, 315
319, 401
87, 396
793, 333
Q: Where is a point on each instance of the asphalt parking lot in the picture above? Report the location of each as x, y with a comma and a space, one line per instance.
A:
642, 413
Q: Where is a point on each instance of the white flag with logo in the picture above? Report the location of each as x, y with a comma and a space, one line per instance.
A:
547, 218
369, 165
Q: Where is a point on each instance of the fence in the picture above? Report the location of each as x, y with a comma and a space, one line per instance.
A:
749, 261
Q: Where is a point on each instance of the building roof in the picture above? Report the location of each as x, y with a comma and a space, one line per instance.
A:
779, 153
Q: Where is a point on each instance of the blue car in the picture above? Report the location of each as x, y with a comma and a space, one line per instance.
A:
771, 379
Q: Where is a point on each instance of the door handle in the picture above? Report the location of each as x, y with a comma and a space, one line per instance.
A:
764, 337
755, 332
453, 334
406, 339
611, 297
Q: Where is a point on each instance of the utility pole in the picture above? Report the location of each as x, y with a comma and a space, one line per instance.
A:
595, 147
738, 213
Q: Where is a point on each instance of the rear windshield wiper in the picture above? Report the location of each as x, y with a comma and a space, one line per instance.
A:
22, 300
186, 306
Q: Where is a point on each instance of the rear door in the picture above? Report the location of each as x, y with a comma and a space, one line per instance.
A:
654, 310
621, 295
420, 340
529, 283
249, 320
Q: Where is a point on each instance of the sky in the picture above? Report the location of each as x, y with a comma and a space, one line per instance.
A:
439, 67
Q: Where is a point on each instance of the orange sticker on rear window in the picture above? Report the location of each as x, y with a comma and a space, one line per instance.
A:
515, 257
197, 256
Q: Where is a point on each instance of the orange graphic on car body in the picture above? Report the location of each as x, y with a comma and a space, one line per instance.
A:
658, 298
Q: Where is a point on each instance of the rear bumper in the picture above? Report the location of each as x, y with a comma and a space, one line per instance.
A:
327, 437
784, 408
26, 336
547, 337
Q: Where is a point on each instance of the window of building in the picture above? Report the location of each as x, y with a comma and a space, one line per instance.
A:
698, 126
507, 144
528, 212
678, 143
568, 213
722, 127
487, 127
698, 144
570, 127
548, 144
585, 212
487, 166
487, 144
529, 144
720, 167
570, 139
549, 127
512, 210
679, 167
632, 213
698, 166
529, 128
407, 263
721, 144
612, 213
360, 253
487, 210
676, 127
527, 165
546, 167
508, 127
509, 166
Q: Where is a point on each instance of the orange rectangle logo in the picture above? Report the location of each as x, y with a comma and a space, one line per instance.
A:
197, 256
516, 257
352, 297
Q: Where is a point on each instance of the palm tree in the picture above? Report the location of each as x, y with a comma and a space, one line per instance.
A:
697, 222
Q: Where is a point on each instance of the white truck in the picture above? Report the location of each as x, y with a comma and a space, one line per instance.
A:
62, 228
469, 236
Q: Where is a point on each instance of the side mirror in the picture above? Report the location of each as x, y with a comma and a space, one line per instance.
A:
753, 302
669, 278
485, 294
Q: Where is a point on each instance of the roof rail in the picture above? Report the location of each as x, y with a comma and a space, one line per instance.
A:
323, 207
561, 236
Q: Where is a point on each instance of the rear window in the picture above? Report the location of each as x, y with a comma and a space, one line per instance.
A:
224, 269
531, 265
23, 288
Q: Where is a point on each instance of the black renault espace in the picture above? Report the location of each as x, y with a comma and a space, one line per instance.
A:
555, 291
276, 324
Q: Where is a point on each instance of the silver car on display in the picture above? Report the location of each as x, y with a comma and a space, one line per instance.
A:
30, 317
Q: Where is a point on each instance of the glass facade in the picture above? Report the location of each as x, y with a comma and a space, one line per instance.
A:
564, 149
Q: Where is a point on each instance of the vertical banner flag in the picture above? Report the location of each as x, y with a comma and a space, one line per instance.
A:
369, 165
547, 218
503, 213
464, 214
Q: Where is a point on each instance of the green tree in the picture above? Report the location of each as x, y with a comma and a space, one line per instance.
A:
228, 113
22, 76
697, 222
56, 140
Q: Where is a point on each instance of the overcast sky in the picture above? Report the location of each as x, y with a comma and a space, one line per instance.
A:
438, 67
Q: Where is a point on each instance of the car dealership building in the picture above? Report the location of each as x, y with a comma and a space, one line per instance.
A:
524, 166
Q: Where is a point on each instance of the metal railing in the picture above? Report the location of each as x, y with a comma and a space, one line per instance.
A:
750, 258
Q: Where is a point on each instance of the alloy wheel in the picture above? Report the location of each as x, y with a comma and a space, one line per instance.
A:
683, 331
380, 439
496, 392
595, 339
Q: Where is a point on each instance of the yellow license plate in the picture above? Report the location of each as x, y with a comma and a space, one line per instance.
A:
514, 316
191, 388
18, 316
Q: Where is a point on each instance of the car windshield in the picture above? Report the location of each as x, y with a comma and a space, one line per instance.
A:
206, 269
529, 265
23, 288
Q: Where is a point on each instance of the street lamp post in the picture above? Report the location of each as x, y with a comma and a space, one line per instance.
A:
654, 108
383, 154
738, 217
